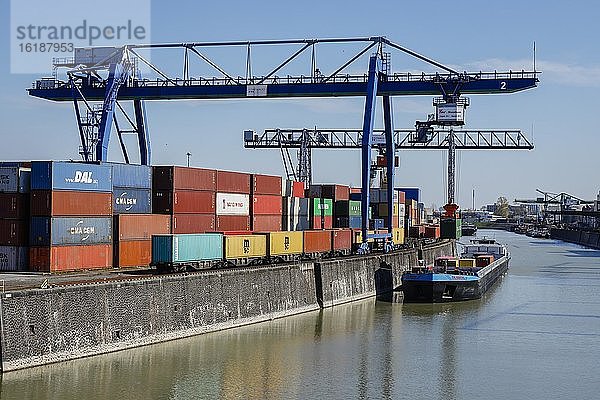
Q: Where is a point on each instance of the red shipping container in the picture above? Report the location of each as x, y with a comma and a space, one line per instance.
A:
66, 203
266, 184
183, 202
193, 223
432, 232
266, 223
327, 223
317, 241
234, 182
401, 197
266, 205
70, 258
177, 178
14, 205
335, 192
297, 189
341, 239
132, 253
14, 232
355, 190
140, 226
232, 223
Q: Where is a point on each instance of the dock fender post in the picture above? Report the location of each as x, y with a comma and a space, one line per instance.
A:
318, 284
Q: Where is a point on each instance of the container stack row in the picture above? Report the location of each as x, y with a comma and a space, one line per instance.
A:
14, 216
295, 207
267, 204
71, 216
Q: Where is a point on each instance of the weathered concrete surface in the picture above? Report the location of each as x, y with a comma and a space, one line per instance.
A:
344, 280
44, 326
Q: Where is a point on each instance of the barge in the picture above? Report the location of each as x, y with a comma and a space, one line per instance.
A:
482, 262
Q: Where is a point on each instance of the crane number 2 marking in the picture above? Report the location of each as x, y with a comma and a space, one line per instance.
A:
502, 85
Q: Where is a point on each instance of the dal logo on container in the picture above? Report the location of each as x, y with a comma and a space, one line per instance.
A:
82, 177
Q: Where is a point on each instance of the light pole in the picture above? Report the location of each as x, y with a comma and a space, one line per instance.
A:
188, 154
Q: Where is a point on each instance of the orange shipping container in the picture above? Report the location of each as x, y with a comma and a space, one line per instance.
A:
234, 182
317, 241
70, 258
140, 226
193, 223
66, 203
266, 205
183, 201
341, 239
176, 178
266, 223
133, 253
266, 184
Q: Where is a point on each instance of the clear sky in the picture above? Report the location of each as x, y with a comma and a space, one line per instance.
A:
470, 35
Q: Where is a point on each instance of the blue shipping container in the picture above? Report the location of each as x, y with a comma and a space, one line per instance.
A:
411, 193
131, 176
376, 223
132, 201
353, 222
59, 231
185, 248
356, 196
59, 175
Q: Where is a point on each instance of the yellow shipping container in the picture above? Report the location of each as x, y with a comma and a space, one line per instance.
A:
466, 262
284, 243
245, 246
383, 210
357, 239
398, 235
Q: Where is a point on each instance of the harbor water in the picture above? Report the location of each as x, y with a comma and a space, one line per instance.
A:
535, 335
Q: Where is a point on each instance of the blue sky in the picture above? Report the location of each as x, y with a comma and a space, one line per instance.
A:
469, 35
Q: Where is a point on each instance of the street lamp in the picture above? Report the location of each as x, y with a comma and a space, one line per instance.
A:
188, 154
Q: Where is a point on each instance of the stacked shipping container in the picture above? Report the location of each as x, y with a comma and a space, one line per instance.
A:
267, 207
295, 208
233, 201
71, 216
14, 218
133, 223
188, 195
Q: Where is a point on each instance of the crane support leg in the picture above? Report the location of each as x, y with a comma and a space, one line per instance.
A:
142, 131
370, 103
118, 74
388, 120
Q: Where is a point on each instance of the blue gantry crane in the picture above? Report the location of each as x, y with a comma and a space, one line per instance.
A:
99, 79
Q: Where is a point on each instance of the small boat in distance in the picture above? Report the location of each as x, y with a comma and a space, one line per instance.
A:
480, 265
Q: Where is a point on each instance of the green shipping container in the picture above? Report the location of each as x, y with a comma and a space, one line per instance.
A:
186, 248
347, 208
451, 228
322, 207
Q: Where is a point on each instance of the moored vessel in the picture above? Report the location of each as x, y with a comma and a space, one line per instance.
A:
467, 277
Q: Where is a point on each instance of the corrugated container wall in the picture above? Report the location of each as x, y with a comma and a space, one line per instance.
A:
15, 179
411, 193
335, 192
183, 201
14, 205
187, 248
317, 241
341, 239
284, 243
193, 223
70, 203
266, 185
266, 223
245, 246
232, 223
58, 175
59, 231
131, 201
266, 205
140, 226
233, 182
14, 258
131, 176
14, 232
70, 258
132, 253
178, 178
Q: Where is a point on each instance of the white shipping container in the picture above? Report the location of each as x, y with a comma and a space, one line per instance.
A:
232, 204
15, 179
401, 209
13, 258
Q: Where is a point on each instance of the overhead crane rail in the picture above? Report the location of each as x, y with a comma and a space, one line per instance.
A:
405, 139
